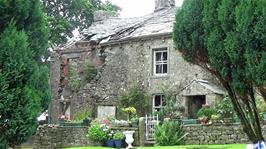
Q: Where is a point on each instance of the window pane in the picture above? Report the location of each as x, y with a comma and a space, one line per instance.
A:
164, 68
158, 56
157, 100
159, 69
164, 56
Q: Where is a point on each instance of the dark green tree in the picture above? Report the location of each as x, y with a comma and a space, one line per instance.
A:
64, 16
19, 99
228, 39
24, 79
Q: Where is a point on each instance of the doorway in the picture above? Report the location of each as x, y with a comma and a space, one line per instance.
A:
193, 104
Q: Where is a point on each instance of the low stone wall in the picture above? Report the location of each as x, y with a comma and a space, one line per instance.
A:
54, 136
216, 134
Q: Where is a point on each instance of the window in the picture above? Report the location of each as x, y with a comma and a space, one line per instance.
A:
158, 102
160, 62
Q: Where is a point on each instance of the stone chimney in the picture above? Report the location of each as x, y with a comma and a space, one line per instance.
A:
163, 4
100, 15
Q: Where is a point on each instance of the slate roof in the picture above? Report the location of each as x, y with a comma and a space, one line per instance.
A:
116, 29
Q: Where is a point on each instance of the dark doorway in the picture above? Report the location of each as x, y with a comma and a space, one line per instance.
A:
194, 103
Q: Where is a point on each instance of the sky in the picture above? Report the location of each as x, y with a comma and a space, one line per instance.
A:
135, 8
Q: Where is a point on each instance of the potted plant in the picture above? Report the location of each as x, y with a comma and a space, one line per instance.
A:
119, 138
203, 120
98, 134
134, 121
215, 118
110, 142
205, 113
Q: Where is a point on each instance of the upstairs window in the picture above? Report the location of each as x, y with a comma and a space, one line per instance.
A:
160, 62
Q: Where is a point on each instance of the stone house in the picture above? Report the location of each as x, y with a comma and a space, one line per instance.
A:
125, 52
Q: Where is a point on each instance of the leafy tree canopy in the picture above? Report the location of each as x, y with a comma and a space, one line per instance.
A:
64, 16
228, 39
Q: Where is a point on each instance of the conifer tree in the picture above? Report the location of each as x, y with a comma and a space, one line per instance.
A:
228, 39
24, 79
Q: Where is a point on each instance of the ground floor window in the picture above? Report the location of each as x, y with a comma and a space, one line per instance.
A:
158, 102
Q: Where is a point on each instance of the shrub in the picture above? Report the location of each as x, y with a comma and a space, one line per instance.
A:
136, 97
170, 133
118, 136
206, 111
83, 115
98, 133
225, 107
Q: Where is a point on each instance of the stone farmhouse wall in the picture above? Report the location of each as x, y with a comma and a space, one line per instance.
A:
120, 66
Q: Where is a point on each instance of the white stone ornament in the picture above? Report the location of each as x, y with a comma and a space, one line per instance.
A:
129, 138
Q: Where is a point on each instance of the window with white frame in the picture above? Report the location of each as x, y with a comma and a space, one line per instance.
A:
158, 102
160, 61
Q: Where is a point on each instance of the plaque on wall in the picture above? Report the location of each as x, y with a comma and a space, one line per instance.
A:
105, 111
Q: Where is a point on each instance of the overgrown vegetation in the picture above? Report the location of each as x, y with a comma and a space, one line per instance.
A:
74, 79
83, 115
90, 70
170, 133
136, 97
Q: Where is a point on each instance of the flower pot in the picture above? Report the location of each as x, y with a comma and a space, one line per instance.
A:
110, 143
118, 143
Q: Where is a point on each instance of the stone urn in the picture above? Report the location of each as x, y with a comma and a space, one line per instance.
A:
129, 138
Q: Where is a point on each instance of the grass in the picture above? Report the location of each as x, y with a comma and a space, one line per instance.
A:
225, 146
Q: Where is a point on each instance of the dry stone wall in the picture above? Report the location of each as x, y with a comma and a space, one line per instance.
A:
216, 134
54, 136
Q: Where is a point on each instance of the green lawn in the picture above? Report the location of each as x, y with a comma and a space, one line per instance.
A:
226, 146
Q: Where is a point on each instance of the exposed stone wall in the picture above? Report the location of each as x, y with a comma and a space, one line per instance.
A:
54, 136
220, 134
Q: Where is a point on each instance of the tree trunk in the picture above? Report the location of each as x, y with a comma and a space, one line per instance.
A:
249, 119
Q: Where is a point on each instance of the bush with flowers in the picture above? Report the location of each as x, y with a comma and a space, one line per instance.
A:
131, 111
98, 133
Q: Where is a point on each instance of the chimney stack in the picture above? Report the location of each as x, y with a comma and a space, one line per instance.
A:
163, 4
